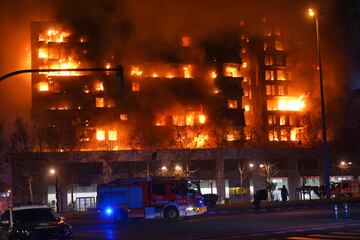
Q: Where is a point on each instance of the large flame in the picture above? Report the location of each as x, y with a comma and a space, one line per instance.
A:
135, 71
291, 103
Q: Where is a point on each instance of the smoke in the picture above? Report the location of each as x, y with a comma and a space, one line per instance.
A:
141, 30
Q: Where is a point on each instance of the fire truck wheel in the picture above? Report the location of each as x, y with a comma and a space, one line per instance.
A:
171, 213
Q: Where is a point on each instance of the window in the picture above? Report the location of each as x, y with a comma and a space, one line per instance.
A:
279, 60
232, 103
178, 188
279, 45
100, 135
270, 90
43, 86
281, 90
292, 120
99, 102
99, 86
269, 60
179, 120
43, 53
269, 75
271, 105
112, 135
123, 117
294, 136
158, 189
282, 120
160, 120
135, 86
284, 135
273, 135
266, 46
271, 119
247, 108
282, 75
232, 70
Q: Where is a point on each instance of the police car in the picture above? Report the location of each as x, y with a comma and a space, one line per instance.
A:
33, 222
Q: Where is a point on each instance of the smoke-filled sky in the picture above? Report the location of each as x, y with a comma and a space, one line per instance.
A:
124, 27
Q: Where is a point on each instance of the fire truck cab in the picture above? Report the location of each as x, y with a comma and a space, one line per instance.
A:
152, 197
346, 189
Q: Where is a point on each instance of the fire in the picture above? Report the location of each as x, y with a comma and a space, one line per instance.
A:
160, 120
294, 134
154, 75
43, 53
232, 103
213, 74
112, 135
123, 117
135, 86
64, 64
232, 70
43, 86
247, 108
99, 86
201, 140
186, 41
135, 71
291, 103
100, 135
187, 71
190, 119
108, 66
53, 35
99, 102
202, 119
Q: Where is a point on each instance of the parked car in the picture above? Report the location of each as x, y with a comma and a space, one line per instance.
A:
33, 222
210, 199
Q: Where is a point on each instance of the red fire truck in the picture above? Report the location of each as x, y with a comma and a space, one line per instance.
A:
346, 189
152, 197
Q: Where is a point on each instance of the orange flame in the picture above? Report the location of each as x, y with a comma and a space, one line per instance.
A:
291, 103
135, 71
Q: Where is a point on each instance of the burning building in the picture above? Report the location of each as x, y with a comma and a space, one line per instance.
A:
237, 95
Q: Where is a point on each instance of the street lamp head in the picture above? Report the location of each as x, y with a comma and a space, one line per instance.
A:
251, 165
164, 168
52, 171
342, 163
178, 168
261, 165
311, 12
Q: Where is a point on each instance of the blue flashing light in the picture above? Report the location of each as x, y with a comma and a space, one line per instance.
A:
109, 211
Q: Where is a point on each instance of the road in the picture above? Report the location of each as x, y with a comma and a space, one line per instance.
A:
301, 224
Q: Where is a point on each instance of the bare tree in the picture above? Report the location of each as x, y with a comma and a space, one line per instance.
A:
269, 170
189, 138
20, 143
310, 134
243, 174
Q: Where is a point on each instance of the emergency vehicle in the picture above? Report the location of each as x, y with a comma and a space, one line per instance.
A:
152, 197
346, 189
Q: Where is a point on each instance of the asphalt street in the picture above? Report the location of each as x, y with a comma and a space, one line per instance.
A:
301, 224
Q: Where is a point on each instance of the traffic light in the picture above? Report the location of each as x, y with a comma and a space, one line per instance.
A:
120, 75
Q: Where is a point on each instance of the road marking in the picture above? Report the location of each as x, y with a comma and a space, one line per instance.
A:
332, 236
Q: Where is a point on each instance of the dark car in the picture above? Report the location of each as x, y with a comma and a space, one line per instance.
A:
33, 222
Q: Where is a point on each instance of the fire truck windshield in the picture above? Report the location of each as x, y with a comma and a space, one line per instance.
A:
193, 188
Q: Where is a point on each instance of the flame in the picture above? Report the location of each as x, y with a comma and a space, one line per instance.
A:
135, 86
100, 135
108, 66
99, 102
232, 70
154, 75
43, 53
186, 41
291, 103
232, 103
202, 119
169, 75
247, 108
54, 35
63, 64
190, 119
99, 86
293, 134
213, 74
200, 140
160, 120
43, 86
135, 71
233, 135
112, 135
187, 71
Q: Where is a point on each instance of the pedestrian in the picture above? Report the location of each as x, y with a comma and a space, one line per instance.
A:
284, 193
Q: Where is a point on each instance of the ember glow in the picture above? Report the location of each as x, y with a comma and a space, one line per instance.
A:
291, 103
43, 86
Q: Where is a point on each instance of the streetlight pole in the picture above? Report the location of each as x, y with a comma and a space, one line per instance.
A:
325, 159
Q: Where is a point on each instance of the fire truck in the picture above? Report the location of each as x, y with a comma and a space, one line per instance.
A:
151, 197
346, 189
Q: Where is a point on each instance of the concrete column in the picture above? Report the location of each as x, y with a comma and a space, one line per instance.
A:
106, 171
220, 181
293, 178
258, 180
63, 198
